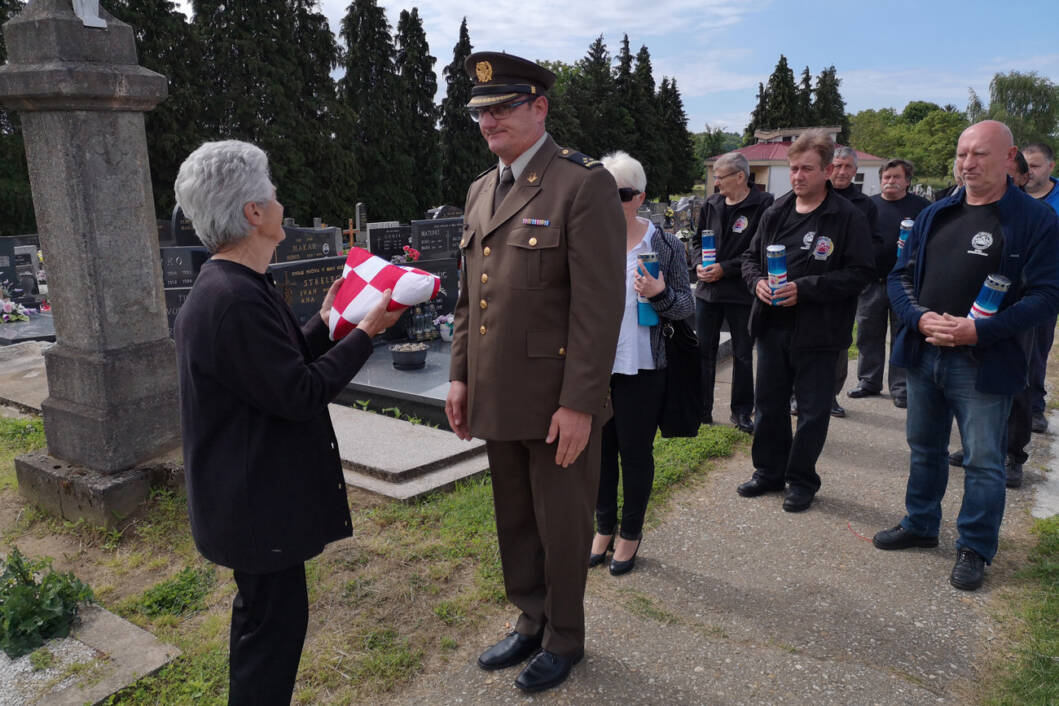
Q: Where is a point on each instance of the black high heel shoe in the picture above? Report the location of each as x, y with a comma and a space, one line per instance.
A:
597, 559
617, 568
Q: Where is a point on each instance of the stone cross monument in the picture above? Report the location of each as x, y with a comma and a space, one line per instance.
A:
81, 95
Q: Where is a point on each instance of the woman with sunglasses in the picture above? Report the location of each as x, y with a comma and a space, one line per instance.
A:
637, 384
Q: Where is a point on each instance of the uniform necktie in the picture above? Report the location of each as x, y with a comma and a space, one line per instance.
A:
506, 180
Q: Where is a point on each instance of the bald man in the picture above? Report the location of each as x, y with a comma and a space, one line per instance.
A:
962, 367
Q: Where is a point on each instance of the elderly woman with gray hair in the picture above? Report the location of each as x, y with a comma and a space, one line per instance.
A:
264, 478
637, 384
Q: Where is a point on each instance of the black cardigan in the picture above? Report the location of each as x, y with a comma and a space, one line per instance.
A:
264, 477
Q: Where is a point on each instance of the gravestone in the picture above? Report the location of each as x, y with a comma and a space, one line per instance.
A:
165, 233
113, 400
448, 270
308, 243
10, 265
388, 239
437, 238
180, 229
304, 283
180, 268
439, 212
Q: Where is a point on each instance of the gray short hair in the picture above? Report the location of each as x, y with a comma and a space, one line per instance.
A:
213, 185
736, 161
626, 170
844, 152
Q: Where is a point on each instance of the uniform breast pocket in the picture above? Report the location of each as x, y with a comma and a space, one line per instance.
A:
536, 256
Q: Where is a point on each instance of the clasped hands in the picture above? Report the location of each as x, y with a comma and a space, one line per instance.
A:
787, 295
947, 331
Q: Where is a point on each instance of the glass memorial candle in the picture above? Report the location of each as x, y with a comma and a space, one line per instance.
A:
902, 236
709, 248
776, 256
993, 290
645, 313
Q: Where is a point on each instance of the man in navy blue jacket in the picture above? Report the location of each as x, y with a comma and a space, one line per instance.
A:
963, 367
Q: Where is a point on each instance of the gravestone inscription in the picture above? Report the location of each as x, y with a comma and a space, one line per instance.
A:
388, 239
437, 238
181, 230
304, 283
308, 244
181, 265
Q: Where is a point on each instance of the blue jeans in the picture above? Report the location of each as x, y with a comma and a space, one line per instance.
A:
940, 386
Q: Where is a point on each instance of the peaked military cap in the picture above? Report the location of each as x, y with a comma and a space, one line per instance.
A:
498, 77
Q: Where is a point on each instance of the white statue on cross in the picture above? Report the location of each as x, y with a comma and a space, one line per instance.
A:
88, 11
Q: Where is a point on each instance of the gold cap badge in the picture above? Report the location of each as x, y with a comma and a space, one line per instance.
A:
484, 70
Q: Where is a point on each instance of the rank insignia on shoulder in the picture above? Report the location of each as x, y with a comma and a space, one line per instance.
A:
485, 172
577, 158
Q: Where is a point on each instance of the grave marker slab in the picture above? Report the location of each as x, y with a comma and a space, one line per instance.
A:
388, 239
308, 244
437, 238
303, 284
181, 265
181, 230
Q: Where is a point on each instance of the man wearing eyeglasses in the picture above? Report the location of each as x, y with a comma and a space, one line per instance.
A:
720, 295
541, 300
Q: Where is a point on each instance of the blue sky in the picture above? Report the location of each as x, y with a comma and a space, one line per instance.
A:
886, 53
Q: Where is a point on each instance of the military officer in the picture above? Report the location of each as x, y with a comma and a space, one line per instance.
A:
536, 328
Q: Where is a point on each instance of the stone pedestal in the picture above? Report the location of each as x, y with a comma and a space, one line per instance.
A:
81, 96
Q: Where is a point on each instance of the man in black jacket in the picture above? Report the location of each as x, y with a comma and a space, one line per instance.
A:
802, 325
894, 204
721, 295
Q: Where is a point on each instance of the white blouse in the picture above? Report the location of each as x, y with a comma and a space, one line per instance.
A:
634, 340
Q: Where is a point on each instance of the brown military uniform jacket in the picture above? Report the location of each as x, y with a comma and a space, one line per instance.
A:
542, 294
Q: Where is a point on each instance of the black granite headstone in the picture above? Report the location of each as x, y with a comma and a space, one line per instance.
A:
9, 270
181, 265
437, 238
389, 241
165, 234
447, 270
174, 299
182, 232
308, 244
304, 283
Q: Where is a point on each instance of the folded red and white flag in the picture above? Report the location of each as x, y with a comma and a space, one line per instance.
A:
366, 277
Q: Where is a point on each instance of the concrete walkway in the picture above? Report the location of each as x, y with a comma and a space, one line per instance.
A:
734, 601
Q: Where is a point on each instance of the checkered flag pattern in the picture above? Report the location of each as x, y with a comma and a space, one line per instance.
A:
366, 277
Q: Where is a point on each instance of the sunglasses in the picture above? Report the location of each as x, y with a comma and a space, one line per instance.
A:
627, 194
499, 112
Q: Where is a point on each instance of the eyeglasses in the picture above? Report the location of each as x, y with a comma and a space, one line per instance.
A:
721, 177
499, 112
627, 194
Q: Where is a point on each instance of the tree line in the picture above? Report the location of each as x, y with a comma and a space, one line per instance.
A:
262, 72
782, 103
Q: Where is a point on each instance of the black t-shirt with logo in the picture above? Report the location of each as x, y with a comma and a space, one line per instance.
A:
797, 233
965, 246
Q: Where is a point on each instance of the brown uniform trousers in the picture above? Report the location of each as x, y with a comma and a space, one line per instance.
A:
542, 292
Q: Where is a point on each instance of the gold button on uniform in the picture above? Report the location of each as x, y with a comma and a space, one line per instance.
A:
486, 251
485, 278
482, 330
562, 351
532, 242
483, 304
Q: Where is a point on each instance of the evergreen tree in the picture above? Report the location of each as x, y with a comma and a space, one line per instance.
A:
626, 135
16, 202
464, 153
595, 102
369, 91
417, 112
679, 143
829, 107
651, 146
757, 116
167, 44
782, 105
805, 99
562, 123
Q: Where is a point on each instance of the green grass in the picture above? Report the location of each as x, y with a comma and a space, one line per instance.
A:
17, 437
180, 595
1034, 676
639, 604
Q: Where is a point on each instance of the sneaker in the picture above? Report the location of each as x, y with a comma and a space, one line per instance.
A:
1012, 474
969, 571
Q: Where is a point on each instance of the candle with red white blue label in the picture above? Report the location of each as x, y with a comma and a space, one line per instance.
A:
906, 230
709, 248
988, 302
776, 255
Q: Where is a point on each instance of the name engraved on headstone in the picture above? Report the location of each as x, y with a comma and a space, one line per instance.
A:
388, 240
304, 284
308, 244
437, 238
448, 271
174, 299
181, 265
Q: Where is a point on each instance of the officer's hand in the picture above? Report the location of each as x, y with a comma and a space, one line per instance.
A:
456, 409
710, 273
787, 295
572, 428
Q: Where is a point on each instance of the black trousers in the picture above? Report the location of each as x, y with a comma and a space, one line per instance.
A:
1020, 419
708, 320
629, 434
873, 315
778, 455
1042, 344
269, 617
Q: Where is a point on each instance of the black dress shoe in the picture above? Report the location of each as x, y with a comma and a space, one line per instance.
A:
901, 402
858, 392
837, 410
956, 458
597, 559
545, 671
510, 651
1039, 424
743, 422
900, 538
969, 571
798, 499
1012, 474
755, 487
617, 568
